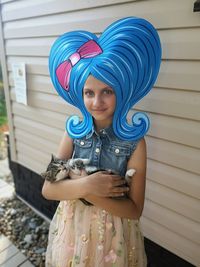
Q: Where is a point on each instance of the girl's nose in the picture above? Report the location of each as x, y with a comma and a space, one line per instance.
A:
97, 101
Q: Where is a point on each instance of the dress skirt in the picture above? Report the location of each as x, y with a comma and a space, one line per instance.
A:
87, 236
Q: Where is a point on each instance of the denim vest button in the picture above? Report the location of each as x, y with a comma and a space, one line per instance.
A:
117, 150
82, 143
97, 150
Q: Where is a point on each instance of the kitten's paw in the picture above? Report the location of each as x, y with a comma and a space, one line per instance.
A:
130, 172
90, 169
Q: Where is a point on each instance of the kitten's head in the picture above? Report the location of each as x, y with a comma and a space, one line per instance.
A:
56, 170
77, 165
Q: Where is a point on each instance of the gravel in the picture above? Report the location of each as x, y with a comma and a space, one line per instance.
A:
21, 225
25, 229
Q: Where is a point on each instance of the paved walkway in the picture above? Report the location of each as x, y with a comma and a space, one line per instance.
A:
10, 256
6, 190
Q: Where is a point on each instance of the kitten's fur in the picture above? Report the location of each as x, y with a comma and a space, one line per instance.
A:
59, 169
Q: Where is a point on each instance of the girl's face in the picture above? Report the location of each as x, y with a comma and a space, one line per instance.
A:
100, 101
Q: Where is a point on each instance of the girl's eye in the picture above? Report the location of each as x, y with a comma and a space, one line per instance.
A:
88, 93
108, 92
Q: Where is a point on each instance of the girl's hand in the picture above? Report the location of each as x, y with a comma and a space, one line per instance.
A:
72, 175
104, 184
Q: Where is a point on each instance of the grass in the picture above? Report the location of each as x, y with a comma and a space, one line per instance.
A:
3, 113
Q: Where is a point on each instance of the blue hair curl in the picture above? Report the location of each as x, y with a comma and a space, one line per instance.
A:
129, 63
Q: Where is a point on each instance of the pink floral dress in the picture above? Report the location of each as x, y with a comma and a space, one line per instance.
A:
87, 236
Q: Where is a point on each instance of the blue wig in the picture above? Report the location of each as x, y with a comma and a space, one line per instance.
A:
127, 57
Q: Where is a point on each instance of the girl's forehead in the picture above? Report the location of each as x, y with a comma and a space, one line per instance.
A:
92, 83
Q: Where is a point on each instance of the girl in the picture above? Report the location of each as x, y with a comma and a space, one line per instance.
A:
104, 77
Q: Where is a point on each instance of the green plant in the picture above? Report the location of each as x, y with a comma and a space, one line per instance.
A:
3, 113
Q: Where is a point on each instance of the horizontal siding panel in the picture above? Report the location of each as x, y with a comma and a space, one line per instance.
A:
184, 205
37, 83
174, 178
172, 102
172, 209
168, 128
36, 154
173, 74
168, 102
38, 129
49, 102
174, 45
182, 75
34, 65
151, 10
38, 47
170, 240
46, 117
40, 83
172, 221
182, 131
6, 1
36, 142
180, 156
32, 164
172, 129
159, 128
38, 8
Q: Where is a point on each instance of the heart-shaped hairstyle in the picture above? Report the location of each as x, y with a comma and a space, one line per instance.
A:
126, 57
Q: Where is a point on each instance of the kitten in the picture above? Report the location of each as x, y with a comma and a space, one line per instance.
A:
59, 169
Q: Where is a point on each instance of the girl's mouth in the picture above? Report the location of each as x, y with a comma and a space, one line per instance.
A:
98, 110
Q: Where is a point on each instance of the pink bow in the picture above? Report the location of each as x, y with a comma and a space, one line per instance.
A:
87, 50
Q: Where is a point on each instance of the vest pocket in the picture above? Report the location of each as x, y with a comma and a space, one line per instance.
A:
119, 150
83, 143
82, 149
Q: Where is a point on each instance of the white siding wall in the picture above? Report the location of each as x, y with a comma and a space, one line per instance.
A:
172, 209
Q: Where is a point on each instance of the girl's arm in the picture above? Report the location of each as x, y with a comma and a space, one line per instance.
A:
81, 186
66, 189
128, 208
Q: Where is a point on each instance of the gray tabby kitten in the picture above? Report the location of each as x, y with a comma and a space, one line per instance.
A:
59, 169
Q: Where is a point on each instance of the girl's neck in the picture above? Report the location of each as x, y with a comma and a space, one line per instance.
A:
101, 125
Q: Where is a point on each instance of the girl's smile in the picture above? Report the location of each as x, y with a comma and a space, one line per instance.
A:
100, 101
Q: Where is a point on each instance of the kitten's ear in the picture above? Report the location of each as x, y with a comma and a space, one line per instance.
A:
44, 174
53, 157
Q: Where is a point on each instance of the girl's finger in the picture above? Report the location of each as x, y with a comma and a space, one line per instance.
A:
118, 183
119, 190
116, 194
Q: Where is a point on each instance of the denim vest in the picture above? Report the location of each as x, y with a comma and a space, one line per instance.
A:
105, 150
